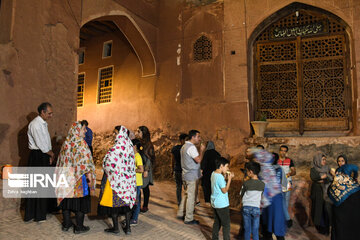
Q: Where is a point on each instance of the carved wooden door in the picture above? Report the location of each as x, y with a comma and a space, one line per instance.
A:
301, 83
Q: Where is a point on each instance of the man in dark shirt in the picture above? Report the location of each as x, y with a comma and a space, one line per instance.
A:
176, 164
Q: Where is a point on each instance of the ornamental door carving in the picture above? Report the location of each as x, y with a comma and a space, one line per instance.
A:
302, 74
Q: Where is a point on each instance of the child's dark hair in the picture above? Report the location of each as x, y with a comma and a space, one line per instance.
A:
253, 166
84, 122
221, 161
139, 146
260, 146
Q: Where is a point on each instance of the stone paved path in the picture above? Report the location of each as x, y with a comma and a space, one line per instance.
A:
159, 223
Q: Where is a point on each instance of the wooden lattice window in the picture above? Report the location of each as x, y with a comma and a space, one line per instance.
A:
301, 74
202, 49
105, 84
80, 89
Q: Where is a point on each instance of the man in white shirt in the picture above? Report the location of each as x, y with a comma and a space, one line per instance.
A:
41, 155
190, 164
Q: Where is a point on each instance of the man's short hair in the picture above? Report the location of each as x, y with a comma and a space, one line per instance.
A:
84, 122
284, 146
260, 146
221, 161
43, 107
253, 166
192, 133
183, 136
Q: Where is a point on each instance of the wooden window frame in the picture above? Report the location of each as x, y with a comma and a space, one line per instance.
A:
99, 85
103, 50
83, 92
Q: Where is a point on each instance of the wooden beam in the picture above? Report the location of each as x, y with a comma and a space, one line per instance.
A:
110, 24
92, 31
102, 26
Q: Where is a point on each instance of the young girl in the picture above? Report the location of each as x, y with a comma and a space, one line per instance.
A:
138, 150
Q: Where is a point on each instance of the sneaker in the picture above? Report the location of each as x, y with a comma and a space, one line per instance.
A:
82, 229
197, 203
193, 222
133, 222
180, 218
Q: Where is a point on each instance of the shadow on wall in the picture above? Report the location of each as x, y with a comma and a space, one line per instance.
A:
300, 203
22, 140
56, 143
4, 127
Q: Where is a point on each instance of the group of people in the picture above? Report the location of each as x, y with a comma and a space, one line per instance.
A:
190, 165
128, 165
127, 169
266, 189
335, 198
267, 181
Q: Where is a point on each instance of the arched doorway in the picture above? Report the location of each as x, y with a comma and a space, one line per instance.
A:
301, 71
113, 61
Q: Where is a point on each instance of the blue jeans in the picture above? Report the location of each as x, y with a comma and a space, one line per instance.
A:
286, 199
251, 218
137, 206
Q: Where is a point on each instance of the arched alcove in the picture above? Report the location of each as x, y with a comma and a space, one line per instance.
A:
299, 71
136, 38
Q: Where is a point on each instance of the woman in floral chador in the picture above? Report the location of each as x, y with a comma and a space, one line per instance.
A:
345, 194
118, 186
76, 164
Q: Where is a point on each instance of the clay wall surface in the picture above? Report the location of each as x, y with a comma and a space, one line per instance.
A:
38, 64
192, 94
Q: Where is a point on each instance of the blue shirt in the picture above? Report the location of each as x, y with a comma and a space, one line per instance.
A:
218, 198
88, 136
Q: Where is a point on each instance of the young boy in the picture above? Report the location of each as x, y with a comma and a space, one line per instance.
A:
219, 198
251, 192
